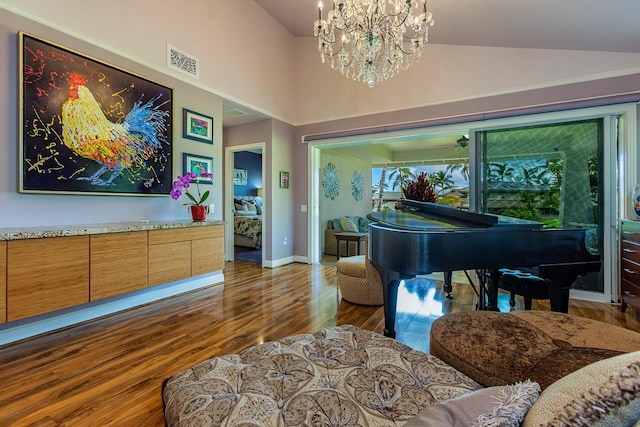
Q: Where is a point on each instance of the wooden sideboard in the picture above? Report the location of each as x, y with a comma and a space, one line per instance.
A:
42, 275
630, 264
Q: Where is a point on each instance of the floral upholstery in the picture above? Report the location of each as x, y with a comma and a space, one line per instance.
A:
339, 376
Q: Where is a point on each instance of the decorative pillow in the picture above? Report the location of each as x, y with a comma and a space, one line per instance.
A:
245, 213
363, 224
502, 406
604, 393
336, 224
347, 224
240, 207
251, 207
258, 209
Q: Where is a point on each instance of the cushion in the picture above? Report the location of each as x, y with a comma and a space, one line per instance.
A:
245, 213
251, 207
258, 209
493, 406
240, 207
336, 224
604, 393
363, 224
347, 224
352, 266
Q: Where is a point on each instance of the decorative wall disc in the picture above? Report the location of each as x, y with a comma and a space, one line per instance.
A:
330, 181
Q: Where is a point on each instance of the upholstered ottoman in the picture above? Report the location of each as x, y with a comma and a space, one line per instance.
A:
359, 281
497, 348
340, 375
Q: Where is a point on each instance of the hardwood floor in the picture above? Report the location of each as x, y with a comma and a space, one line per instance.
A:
110, 371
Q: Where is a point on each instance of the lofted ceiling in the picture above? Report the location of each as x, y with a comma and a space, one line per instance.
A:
591, 25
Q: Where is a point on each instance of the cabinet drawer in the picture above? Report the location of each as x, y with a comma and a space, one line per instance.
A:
631, 236
173, 235
630, 293
630, 271
630, 250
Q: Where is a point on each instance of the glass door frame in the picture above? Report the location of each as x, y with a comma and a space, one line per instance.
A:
620, 159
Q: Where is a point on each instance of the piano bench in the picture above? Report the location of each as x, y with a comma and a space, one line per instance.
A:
525, 283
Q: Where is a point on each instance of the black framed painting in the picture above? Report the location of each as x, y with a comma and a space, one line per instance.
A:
88, 127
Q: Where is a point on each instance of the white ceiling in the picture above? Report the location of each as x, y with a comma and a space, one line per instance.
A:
592, 25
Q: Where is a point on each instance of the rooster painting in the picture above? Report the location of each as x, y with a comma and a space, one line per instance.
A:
116, 147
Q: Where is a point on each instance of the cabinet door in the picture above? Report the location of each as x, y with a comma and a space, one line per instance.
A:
119, 263
3, 282
169, 262
207, 252
47, 274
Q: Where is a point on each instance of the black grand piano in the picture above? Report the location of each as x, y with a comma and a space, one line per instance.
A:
422, 238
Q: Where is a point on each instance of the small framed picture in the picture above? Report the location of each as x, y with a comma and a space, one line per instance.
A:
284, 179
240, 176
197, 127
198, 165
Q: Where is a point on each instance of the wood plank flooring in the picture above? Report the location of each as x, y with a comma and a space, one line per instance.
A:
110, 371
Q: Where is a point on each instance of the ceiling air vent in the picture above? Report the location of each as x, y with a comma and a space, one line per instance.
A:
182, 61
234, 112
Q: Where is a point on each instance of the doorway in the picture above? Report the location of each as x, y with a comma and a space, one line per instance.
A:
244, 203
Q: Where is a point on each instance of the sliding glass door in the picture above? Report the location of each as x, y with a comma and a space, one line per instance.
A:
551, 173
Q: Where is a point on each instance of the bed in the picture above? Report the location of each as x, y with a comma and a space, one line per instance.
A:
247, 222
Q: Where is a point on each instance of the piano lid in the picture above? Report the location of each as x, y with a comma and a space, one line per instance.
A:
426, 216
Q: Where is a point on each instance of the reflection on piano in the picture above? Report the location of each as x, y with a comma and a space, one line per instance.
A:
423, 238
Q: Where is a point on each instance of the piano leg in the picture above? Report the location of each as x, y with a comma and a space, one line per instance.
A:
489, 284
559, 298
390, 293
448, 286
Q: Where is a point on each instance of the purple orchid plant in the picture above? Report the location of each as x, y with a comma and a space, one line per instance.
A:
183, 182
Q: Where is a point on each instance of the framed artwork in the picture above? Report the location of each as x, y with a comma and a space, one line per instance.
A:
197, 127
240, 176
198, 165
284, 179
88, 127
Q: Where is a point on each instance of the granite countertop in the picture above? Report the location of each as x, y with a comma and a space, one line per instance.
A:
39, 232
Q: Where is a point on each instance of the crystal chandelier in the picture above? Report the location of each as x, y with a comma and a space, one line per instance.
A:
372, 40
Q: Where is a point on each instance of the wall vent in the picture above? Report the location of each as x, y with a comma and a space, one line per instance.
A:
181, 61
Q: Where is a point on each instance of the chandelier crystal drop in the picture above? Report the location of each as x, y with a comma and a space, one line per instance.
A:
372, 40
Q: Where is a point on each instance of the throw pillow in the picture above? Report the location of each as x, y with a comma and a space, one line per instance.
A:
240, 207
363, 224
347, 225
258, 210
604, 393
503, 406
336, 224
251, 207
